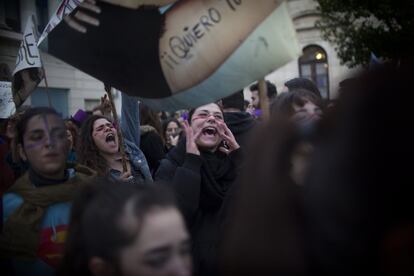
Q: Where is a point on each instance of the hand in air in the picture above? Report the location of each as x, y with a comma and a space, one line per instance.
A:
106, 106
81, 19
135, 4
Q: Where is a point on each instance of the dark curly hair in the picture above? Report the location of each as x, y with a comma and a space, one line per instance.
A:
71, 126
87, 152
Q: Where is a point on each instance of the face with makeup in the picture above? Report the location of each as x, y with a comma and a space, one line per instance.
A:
161, 248
70, 138
105, 136
207, 119
45, 145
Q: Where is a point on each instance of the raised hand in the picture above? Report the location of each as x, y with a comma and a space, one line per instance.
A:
228, 139
191, 138
106, 106
135, 4
79, 19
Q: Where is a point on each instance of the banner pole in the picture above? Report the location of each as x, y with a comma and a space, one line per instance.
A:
264, 100
47, 87
108, 90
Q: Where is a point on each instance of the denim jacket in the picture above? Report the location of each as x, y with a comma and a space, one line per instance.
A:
130, 127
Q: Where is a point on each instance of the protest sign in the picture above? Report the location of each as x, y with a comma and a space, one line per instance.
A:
64, 9
28, 56
29, 69
196, 51
201, 36
7, 106
270, 46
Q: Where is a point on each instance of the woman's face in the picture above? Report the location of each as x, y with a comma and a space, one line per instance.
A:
162, 247
172, 129
309, 112
206, 119
45, 145
70, 138
105, 136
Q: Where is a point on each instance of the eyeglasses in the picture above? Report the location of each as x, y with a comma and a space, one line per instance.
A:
206, 114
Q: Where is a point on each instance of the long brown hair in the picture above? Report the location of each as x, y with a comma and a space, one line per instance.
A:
150, 117
263, 235
87, 151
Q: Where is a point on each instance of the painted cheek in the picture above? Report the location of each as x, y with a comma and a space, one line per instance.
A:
33, 145
197, 118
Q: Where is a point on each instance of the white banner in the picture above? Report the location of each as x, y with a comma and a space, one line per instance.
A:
64, 9
28, 56
7, 106
270, 46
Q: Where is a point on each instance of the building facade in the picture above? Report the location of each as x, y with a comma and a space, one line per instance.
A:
69, 89
319, 61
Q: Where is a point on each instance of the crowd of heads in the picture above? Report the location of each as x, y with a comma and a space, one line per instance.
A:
323, 190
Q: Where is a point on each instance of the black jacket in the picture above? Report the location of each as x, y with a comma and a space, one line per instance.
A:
201, 184
152, 147
240, 124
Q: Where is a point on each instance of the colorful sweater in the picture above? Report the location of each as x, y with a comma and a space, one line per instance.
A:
27, 208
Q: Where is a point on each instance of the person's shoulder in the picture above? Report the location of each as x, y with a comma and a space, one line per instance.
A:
11, 201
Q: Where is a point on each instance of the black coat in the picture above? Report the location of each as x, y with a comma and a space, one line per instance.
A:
152, 147
241, 124
201, 184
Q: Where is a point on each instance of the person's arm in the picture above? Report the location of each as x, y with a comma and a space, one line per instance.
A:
130, 124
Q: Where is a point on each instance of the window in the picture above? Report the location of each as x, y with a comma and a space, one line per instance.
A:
313, 65
91, 103
10, 15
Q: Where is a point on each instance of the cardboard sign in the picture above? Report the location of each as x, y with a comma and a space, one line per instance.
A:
201, 35
64, 9
270, 46
195, 52
28, 56
7, 106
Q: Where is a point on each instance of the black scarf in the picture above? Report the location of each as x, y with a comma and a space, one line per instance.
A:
217, 174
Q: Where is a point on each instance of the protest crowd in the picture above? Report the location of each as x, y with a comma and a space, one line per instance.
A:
289, 184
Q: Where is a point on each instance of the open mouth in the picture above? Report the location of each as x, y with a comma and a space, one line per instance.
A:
110, 138
211, 131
